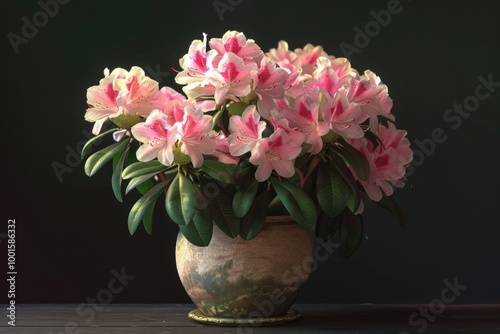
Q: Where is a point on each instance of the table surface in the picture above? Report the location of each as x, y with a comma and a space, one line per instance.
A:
316, 318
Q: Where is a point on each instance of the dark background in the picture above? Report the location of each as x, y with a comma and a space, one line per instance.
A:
71, 234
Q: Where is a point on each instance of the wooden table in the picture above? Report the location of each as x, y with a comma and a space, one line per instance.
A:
316, 318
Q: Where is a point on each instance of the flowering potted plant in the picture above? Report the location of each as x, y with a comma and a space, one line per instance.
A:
290, 134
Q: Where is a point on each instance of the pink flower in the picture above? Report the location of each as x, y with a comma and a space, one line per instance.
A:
236, 42
158, 138
206, 105
269, 85
275, 153
195, 64
372, 97
195, 135
172, 104
222, 150
332, 76
136, 91
281, 104
304, 85
294, 134
342, 116
102, 99
232, 76
304, 116
291, 63
308, 56
285, 58
395, 139
165, 96
246, 130
387, 161
120, 92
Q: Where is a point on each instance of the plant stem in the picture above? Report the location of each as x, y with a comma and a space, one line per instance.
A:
162, 177
314, 163
301, 178
232, 98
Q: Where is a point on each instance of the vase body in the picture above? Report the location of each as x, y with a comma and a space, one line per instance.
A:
236, 278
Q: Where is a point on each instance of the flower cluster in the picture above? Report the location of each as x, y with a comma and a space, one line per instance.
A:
284, 113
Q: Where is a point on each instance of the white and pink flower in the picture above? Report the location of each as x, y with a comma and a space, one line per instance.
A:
236, 42
269, 85
194, 135
297, 99
342, 116
245, 131
372, 96
276, 153
222, 151
231, 76
305, 117
102, 100
387, 161
285, 58
308, 57
130, 92
161, 134
158, 137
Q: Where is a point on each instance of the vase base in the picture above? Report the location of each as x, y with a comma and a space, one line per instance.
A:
212, 320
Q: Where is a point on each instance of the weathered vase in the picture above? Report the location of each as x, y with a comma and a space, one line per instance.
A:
236, 278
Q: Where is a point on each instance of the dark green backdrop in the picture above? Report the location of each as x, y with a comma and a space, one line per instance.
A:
71, 232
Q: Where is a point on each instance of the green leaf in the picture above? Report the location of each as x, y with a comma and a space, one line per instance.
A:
199, 230
237, 108
145, 186
350, 233
143, 168
223, 214
126, 121
300, 206
390, 205
374, 139
116, 178
138, 180
253, 222
92, 140
354, 197
147, 220
98, 159
327, 227
217, 117
331, 190
356, 160
141, 207
219, 171
181, 200
276, 207
242, 173
221, 119
244, 196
